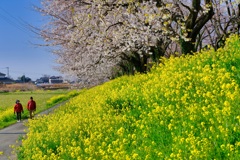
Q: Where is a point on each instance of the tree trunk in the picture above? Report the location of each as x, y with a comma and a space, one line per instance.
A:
187, 47
194, 25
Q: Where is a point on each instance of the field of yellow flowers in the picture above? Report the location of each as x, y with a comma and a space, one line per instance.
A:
185, 108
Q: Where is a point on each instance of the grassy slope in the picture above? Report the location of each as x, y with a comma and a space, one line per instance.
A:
186, 108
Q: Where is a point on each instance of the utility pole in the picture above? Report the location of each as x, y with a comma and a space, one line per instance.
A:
7, 72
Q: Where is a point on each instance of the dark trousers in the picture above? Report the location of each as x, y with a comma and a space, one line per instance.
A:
31, 112
18, 115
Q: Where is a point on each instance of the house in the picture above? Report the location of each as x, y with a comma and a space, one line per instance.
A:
5, 80
2, 75
55, 80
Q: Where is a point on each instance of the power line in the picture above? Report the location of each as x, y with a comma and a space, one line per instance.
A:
9, 19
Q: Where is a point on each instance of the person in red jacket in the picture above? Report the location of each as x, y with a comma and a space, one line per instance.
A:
18, 109
31, 106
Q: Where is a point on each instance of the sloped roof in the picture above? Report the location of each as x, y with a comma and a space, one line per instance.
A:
2, 74
6, 80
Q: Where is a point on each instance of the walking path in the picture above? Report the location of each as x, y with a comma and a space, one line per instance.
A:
10, 135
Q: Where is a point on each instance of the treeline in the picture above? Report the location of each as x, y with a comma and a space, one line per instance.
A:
100, 40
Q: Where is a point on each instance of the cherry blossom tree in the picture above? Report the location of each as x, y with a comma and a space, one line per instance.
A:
224, 22
95, 39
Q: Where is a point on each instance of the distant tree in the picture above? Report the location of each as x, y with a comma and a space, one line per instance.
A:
24, 79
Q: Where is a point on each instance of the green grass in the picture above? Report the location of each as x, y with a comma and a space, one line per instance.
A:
8, 99
44, 100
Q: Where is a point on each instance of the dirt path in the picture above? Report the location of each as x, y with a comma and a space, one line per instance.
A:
11, 135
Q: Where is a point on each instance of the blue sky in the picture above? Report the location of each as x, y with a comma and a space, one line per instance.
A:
18, 54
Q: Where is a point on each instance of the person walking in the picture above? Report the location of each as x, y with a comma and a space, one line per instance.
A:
31, 106
18, 109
